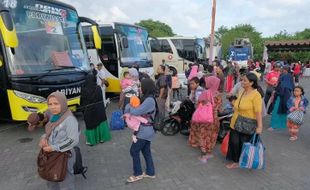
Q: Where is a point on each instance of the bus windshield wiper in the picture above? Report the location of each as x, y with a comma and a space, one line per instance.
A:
57, 69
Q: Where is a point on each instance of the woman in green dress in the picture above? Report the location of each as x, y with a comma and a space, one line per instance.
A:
97, 129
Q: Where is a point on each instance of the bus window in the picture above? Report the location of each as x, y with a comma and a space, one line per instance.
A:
166, 46
155, 46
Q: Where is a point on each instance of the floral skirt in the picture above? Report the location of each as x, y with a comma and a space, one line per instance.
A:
204, 135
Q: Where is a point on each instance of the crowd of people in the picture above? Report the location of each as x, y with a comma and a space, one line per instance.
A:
143, 99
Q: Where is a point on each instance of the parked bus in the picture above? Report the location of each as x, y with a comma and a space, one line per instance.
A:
42, 50
178, 51
123, 45
241, 51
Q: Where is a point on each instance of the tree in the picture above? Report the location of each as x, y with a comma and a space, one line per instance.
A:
242, 31
156, 28
220, 32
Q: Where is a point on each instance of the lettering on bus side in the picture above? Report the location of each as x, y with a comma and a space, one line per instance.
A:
71, 91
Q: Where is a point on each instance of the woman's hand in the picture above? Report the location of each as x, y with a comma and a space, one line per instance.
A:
43, 143
259, 130
48, 148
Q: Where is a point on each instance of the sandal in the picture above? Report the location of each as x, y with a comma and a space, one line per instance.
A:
133, 178
232, 166
203, 159
270, 129
148, 176
293, 138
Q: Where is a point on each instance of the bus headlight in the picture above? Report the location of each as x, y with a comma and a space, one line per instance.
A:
29, 97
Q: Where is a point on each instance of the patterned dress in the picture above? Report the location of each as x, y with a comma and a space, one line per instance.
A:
204, 135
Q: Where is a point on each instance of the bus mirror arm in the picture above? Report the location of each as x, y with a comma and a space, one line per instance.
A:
95, 30
7, 28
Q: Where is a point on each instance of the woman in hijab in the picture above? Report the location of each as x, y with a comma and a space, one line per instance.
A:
61, 135
145, 134
204, 135
282, 94
97, 130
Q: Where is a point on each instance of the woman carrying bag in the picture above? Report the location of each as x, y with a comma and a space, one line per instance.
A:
205, 123
247, 118
61, 135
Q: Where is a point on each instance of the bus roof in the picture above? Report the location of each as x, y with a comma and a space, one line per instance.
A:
59, 3
178, 38
120, 23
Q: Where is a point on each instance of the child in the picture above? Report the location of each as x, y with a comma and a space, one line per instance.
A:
229, 107
126, 83
195, 89
133, 122
297, 103
225, 117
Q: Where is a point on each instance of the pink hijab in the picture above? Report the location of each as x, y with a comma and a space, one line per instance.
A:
194, 72
213, 84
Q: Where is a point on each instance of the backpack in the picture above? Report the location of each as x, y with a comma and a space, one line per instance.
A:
117, 122
78, 167
156, 121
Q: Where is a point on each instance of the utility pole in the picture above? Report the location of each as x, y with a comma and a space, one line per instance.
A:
212, 32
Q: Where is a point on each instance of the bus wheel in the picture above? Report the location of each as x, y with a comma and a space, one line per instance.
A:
173, 71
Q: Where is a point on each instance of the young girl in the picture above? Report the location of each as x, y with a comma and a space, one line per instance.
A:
298, 102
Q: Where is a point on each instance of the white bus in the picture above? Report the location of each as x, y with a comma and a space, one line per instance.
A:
178, 51
123, 45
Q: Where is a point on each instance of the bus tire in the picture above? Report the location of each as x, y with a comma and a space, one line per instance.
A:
173, 71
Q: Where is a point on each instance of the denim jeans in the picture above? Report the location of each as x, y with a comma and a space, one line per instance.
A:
145, 147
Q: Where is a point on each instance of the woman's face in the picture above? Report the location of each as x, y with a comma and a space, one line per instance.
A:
54, 106
297, 92
245, 83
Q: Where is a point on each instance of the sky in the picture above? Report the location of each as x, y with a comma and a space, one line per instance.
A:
193, 17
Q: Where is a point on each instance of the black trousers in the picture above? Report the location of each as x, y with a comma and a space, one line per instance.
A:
236, 140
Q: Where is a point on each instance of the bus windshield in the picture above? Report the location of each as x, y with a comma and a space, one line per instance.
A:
49, 38
200, 48
185, 48
138, 50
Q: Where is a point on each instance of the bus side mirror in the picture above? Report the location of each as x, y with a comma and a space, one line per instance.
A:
8, 29
97, 38
95, 30
125, 42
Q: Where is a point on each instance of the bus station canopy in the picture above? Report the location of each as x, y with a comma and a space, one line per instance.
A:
288, 45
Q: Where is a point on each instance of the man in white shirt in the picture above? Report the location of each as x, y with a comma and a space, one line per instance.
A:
101, 81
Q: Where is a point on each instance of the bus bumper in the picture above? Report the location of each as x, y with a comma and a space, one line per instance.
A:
21, 108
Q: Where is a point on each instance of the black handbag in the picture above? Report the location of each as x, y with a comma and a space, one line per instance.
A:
245, 125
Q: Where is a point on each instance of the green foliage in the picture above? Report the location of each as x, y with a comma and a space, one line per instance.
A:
241, 31
227, 36
156, 28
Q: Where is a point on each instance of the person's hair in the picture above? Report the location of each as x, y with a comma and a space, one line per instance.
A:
231, 98
95, 72
195, 80
99, 64
136, 66
242, 71
163, 67
210, 68
301, 88
125, 73
91, 64
252, 78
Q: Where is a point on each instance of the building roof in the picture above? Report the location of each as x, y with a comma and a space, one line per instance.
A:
288, 45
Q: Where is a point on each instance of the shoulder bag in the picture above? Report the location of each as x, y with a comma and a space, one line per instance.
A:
52, 166
243, 124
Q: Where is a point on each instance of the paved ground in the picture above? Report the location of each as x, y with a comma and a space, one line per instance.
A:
177, 167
